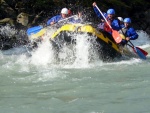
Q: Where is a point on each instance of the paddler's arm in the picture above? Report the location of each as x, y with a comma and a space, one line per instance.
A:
54, 20
96, 10
51, 21
133, 35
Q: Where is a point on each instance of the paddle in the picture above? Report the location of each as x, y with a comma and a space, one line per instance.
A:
36, 29
115, 33
142, 51
137, 51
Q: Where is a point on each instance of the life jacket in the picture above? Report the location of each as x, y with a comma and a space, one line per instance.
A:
106, 26
129, 32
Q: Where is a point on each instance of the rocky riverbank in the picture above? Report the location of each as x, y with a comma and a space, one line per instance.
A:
22, 14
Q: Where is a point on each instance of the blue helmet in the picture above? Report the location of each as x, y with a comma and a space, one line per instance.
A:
111, 11
127, 20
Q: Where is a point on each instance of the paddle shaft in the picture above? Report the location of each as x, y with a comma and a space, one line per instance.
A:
115, 33
128, 40
66, 18
141, 53
103, 16
36, 29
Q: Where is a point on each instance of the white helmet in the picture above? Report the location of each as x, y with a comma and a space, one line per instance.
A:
64, 11
120, 18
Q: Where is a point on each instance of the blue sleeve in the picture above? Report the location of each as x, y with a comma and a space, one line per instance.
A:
50, 20
133, 35
115, 25
54, 19
97, 12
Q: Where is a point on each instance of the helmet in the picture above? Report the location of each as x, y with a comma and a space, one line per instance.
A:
111, 11
127, 20
64, 11
120, 18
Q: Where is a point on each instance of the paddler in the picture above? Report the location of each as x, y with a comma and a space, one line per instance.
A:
127, 32
55, 19
110, 17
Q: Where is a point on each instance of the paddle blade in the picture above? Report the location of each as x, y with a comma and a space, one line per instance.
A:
139, 53
34, 30
122, 36
116, 36
38, 34
143, 51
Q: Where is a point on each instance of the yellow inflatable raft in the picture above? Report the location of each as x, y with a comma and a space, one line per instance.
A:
107, 47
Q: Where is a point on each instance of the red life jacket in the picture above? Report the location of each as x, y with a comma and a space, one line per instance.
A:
106, 26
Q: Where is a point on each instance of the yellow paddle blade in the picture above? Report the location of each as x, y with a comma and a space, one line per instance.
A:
38, 34
122, 36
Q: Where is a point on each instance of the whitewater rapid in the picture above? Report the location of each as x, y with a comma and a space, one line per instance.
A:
76, 56
78, 82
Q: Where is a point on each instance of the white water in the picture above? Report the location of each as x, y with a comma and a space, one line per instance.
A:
77, 56
37, 82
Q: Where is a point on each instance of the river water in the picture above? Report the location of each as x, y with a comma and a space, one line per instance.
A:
35, 82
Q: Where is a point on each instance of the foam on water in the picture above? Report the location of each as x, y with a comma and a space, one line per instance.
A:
143, 39
83, 51
7, 31
43, 55
81, 55
37, 82
10, 32
75, 56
